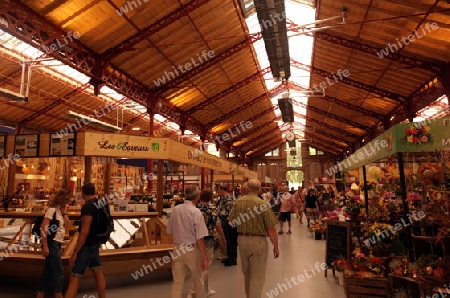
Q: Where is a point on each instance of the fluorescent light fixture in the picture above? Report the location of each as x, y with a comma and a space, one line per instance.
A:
94, 121
136, 128
13, 96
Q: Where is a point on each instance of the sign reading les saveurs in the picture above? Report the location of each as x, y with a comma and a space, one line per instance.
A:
124, 146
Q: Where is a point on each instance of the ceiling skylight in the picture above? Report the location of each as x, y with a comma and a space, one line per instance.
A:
300, 49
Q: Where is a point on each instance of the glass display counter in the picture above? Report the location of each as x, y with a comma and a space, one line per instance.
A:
139, 238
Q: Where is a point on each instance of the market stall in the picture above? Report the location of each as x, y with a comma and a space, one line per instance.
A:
48, 162
398, 204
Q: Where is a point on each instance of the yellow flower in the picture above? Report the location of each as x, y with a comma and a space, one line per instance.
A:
427, 128
409, 139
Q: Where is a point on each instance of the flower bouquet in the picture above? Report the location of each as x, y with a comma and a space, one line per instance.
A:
417, 134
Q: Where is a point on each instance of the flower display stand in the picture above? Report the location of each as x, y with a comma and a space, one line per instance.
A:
359, 287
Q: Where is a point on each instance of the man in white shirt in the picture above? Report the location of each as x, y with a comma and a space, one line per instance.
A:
188, 228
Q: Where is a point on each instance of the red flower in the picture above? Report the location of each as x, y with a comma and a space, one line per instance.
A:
424, 139
407, 131
414, 131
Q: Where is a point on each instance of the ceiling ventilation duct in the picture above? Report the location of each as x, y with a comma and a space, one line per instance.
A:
272, 19
286, 108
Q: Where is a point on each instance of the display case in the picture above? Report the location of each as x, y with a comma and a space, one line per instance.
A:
139, 239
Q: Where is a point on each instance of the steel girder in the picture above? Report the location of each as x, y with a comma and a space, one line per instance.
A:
265, 133
330, 136
273, 144
372, 89
334, 116
34, 29
249, 40
229, 90
319, 145
421, 97
266, 95
251, 131
341, 103
322, 140
362, 47
54, 104
329, 127
157, 26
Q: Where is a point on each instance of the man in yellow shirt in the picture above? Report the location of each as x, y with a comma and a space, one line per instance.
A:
254, 220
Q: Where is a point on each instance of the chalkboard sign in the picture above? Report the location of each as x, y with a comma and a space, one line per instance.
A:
338, 241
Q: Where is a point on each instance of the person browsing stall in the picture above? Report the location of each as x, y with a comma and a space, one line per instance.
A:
51, 248
188, 229
209, 214
87, 250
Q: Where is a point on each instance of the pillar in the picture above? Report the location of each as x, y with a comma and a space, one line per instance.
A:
87, 169
160, 187
445, 78
150, 161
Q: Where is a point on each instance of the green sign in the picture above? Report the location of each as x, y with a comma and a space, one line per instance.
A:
427, 135
155, 146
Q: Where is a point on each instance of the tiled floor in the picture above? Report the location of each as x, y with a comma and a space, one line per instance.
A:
299, 252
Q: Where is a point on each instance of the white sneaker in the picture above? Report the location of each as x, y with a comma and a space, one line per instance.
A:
211, 292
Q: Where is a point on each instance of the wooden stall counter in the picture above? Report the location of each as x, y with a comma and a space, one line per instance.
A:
139, 239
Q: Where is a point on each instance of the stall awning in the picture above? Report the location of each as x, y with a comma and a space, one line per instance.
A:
427, 135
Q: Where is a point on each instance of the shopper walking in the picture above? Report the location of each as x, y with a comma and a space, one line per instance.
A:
51, 246
312, 206
87, 250
287, 202
188, 229
224, 206
299, 203
210, 215
255, 221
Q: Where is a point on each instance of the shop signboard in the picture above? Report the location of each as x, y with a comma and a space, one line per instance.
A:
62, 145
123, 146
26, 145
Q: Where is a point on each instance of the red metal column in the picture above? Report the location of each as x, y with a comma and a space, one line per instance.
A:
202, 184
445, 77
150, 161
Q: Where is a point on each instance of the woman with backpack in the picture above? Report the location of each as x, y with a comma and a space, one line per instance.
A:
52, 233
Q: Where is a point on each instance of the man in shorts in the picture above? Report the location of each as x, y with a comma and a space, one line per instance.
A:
87, 251
287, 202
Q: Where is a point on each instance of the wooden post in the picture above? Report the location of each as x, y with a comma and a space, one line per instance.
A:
160, 187
87, 169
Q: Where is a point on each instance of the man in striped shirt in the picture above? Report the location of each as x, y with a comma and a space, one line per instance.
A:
254, 220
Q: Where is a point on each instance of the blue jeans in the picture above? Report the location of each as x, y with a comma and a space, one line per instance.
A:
87, 257
53, 269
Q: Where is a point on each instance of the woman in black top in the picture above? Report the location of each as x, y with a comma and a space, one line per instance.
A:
312, 206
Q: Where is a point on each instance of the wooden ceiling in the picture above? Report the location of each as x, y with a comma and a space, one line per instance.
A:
143, 53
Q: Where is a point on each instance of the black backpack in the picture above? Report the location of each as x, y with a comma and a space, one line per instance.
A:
105, 222
51, 228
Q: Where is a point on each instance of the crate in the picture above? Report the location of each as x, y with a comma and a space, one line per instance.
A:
366, 287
